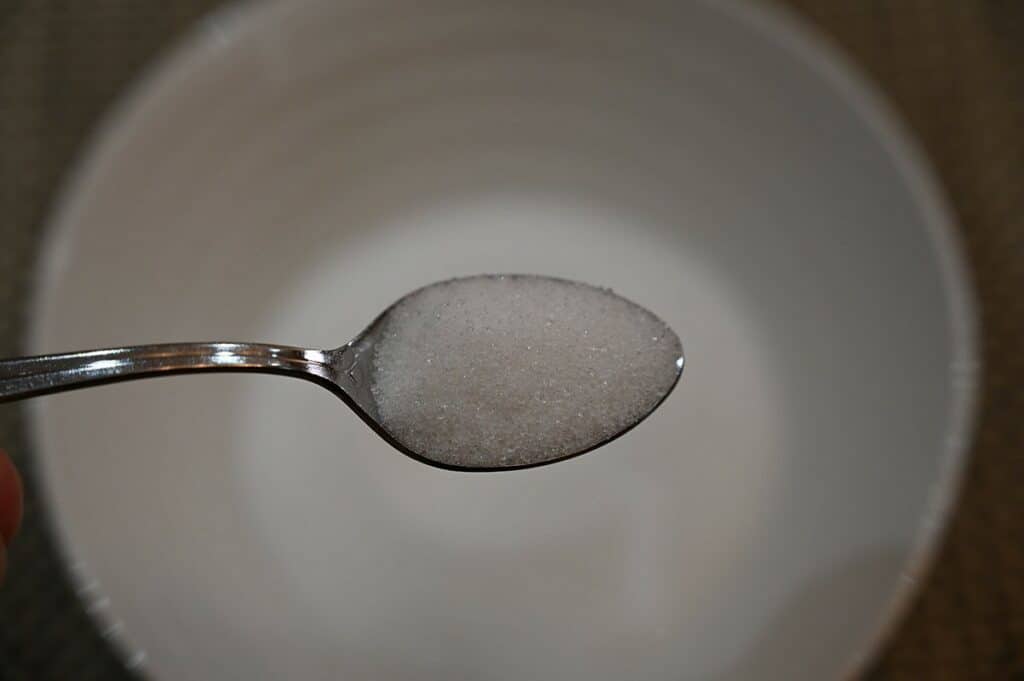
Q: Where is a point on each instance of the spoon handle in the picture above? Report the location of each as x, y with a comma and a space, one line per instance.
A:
31, 376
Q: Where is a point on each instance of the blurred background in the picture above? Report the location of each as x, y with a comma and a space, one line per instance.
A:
954, 70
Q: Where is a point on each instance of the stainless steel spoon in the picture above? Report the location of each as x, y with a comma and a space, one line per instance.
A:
346, 371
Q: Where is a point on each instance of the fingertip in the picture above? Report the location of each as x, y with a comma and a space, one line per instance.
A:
11, 499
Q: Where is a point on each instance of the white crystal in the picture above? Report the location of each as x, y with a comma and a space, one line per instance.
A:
493, 371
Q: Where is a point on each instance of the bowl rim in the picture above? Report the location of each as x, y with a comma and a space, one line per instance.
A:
778, 25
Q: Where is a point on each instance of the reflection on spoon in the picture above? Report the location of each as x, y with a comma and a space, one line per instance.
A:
492, 372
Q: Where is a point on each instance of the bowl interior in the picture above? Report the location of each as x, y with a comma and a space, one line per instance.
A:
295, 169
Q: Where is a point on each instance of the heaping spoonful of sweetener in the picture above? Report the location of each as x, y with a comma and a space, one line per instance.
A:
490, 372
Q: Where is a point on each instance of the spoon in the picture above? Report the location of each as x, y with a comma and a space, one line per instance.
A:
491, 372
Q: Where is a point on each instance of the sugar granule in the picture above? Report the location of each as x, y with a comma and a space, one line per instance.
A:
497, 371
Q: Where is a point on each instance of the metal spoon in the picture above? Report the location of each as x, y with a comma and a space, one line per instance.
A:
347, 371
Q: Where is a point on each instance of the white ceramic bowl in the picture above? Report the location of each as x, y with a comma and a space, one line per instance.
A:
293, 168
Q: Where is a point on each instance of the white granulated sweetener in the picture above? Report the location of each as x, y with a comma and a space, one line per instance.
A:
500, 371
